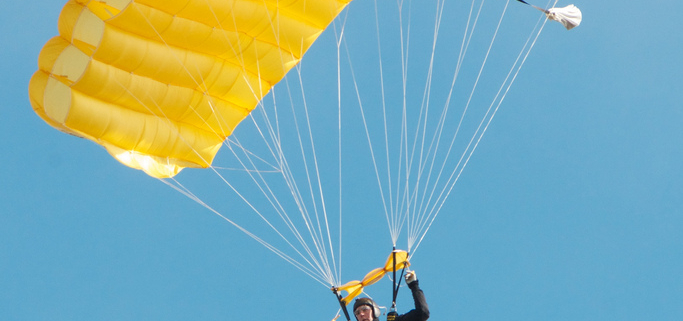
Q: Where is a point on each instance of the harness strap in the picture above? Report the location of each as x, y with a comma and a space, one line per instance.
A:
341, 303
396, 284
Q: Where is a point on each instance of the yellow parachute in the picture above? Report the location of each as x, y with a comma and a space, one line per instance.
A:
162, 83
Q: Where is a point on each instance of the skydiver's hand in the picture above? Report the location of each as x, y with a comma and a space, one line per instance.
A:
410, 277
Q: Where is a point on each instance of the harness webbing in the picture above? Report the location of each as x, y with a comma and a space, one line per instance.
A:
341, 304
396, 283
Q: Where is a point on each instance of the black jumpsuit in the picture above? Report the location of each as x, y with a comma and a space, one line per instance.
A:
421, 311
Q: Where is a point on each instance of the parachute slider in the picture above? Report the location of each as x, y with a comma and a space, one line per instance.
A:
569, 16
355, 288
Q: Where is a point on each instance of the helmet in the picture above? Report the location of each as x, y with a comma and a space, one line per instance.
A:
367, 301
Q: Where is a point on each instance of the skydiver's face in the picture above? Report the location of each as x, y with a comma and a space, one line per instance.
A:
363, 313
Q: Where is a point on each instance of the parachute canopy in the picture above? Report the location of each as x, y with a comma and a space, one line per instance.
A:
161, 83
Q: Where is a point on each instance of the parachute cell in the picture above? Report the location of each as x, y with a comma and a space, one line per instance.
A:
160, 84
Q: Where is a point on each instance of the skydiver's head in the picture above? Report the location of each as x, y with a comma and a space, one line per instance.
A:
366, 310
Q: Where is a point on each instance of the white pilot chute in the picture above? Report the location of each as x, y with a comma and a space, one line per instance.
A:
569, 16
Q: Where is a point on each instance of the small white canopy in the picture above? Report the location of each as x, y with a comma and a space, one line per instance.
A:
569, 16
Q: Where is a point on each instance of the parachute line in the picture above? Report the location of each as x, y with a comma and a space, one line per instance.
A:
178, 187
288, 177
516, 67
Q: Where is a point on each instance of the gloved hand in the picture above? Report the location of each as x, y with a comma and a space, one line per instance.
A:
410, 277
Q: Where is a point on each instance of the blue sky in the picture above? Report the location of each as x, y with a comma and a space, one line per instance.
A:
570, 208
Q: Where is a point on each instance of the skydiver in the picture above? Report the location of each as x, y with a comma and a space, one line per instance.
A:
365, 309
